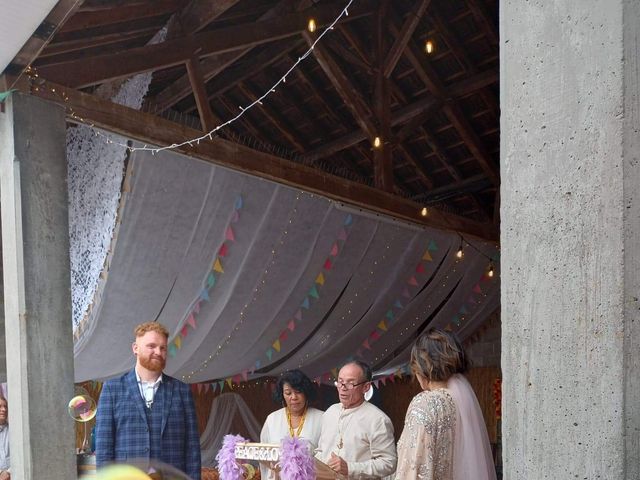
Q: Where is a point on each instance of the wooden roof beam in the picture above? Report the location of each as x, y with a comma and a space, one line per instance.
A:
406, 114
94, 70
154, 130
207, 119
211, 66
404, 36
344, 88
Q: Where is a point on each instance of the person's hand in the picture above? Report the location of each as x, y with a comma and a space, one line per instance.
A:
338, 465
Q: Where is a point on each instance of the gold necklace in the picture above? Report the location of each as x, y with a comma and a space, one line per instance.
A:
340, 428
300, 425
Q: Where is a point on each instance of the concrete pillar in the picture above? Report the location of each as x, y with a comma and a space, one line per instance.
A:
570, 240
37, 300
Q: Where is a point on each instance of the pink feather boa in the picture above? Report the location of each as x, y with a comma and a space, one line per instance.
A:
296, 462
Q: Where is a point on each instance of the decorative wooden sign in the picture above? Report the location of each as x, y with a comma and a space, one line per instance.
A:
267, 452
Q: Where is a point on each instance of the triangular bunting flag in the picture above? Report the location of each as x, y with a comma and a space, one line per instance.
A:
205, 387
229, 380
283, 335
221, 385
217, 266
334, 250
314, 292
374, 335
305, 303
342, 235
204, 295
178, 342
196, 307
413, 281
229, 234
237, 379
235, 217
327, 264
391, 378
476, 289
269, 353
191, 321
258, 364
456, 320
348, 221
397, 304
432, 246
239, 202
384, 380
214, 387
222, 252
199, 388
405, 293
382, 326
420, 268
427, 256
365, 344
211, 280
184, 331
172, 350
334, 372
291, 325
463, 310
276, 345
320, 279
298, 315
389, 314
376, 383
245, 375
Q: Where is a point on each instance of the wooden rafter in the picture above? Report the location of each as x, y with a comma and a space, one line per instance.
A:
86, 72
207, 118
154, 130
404, 36
347, 91
405, 114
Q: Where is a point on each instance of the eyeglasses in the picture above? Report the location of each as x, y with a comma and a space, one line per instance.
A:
348, 385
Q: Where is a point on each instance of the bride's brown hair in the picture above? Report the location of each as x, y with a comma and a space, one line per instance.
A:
436, 355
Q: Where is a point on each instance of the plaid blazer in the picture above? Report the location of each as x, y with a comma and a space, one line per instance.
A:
122, 429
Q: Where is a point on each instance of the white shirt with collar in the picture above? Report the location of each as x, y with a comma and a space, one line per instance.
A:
148, 389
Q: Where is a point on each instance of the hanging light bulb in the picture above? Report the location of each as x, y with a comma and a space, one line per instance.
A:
311, 26
423, 212
460, 252
377, 142
490, 272
429, 46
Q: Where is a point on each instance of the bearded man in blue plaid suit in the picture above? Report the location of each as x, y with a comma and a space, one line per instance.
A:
146, 414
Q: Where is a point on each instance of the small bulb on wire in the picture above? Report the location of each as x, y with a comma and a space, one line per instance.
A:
311, 26
423, 212
490, 272
460, 252
429, 47
377, 142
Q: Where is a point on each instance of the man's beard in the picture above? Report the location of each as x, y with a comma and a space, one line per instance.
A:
155, 364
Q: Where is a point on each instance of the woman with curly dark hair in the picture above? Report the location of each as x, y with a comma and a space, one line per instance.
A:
294, 391
444, 435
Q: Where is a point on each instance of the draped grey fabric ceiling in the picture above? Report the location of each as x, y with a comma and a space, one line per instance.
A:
253, 278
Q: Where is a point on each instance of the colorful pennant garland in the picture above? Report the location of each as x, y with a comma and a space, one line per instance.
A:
210, 281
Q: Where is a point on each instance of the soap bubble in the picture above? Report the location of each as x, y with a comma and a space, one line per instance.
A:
82, 408
139, 469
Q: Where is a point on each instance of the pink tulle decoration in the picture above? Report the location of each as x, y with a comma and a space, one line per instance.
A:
296, 462
228, 468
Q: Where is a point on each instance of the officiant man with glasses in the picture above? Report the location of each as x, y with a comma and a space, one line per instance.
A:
357, 437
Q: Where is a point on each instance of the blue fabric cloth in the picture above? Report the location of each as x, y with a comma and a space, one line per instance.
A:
127, 433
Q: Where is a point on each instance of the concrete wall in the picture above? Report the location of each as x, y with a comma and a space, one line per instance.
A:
570, 238
37, 298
